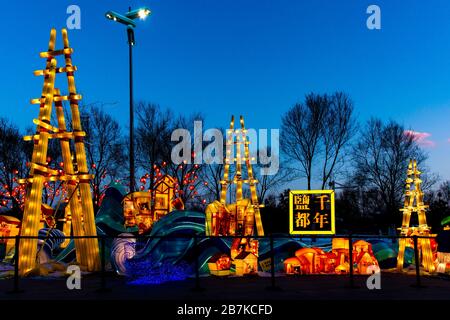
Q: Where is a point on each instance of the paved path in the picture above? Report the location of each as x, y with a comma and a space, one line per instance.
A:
393, 286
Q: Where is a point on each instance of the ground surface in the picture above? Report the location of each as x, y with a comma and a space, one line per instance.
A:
393, 286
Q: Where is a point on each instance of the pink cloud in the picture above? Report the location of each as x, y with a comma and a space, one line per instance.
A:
421, 138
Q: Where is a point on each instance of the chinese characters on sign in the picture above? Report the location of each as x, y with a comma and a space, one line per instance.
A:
311, 212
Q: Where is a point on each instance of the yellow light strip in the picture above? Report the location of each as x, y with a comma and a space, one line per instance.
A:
57, 70
71, 97
90, 252
42, 168
32, 211
60, 135
53, 53
65, 177
57, 98
45, 125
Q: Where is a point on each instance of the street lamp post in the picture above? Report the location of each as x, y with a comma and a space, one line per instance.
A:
128, 20
130, 34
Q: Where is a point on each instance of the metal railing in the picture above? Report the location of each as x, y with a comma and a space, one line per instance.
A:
197, 287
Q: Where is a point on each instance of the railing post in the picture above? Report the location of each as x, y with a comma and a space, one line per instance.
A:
272, 263
417, 261
272, 287
350, 259
196, 266
16, 267
103, 266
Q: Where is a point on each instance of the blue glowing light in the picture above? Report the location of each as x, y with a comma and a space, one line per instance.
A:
146, 272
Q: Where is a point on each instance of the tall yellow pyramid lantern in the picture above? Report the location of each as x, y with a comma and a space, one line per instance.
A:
414, 204
78, 182
236, 218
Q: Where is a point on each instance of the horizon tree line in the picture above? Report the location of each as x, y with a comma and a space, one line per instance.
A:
321, 143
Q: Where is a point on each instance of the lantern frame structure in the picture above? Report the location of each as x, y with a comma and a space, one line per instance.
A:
413, 203
76, 177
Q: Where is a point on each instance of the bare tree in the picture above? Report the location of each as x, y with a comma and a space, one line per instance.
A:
443, 191
270, 184
13, 160
153, 139
104, 149
316, 133
301, 131
211, 176
339, 127
187, 175
155, 127
381, 158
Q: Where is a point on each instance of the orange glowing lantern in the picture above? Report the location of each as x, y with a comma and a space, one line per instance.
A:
219, 264
9, 227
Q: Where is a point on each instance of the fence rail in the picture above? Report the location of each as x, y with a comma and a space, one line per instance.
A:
197, 237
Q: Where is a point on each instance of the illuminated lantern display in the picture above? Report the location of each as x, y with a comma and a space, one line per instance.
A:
340, 249
363, 257
414, 203
78, 180
442, 260
9, 227
138, 209
240, 245
47, 217
317, 261
165, 201
240, 218
246, 263
292, 266
311, 212
219, 265
311, 260
67, 225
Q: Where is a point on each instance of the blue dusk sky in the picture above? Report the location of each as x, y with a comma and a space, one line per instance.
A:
250, 57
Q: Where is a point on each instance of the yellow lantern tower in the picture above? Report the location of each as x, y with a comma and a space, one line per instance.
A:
244, 212
241, 140
78, 182
414, 203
